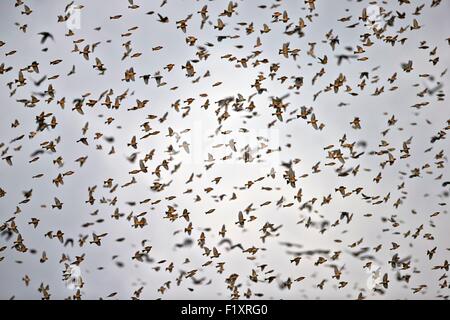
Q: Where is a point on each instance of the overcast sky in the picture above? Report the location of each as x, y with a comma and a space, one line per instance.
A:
421, 196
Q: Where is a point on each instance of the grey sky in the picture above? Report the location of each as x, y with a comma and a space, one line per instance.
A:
423, 194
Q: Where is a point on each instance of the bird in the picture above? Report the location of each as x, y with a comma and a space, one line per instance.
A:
45, 36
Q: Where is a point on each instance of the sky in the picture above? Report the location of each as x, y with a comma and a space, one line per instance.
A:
109, 268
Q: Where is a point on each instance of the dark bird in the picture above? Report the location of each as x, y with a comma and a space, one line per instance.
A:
45, 35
